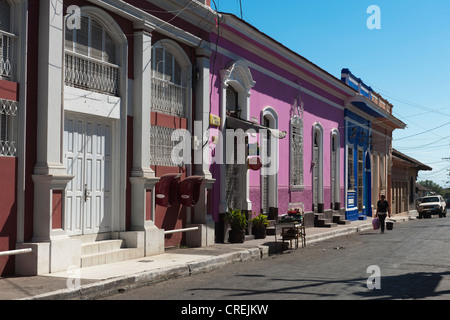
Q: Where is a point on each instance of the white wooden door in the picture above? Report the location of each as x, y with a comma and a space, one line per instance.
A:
87, 156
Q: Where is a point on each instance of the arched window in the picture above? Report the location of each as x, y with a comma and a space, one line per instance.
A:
296, 143
169, 94
171, 70
5, 14
317, 163
6, 40
335, 166
90, 57
8, 109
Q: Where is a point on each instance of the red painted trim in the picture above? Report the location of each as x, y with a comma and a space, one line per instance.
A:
57, 199
8, 212
9, 90
148, 204
168, 121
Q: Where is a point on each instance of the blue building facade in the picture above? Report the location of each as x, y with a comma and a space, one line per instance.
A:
359, 113
367, 114
358, 167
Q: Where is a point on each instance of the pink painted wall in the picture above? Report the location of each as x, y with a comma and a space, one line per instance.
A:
271, 91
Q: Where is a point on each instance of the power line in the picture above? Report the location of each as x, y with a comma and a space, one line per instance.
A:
417, 134
413, 104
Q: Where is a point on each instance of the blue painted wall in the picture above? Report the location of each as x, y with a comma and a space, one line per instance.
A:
358, 138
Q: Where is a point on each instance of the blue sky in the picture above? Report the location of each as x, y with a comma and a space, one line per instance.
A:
407, 60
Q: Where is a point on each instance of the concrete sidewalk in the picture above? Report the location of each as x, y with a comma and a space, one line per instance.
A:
96, 281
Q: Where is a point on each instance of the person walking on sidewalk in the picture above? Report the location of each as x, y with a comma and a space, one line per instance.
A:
382, 211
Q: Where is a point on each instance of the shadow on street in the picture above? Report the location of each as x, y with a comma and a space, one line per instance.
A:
417, 285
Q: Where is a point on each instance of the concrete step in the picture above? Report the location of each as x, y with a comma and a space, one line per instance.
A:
270, 230
321, 222
116, 255
106, 251
101, 246
326, 223
339, 219
249, 237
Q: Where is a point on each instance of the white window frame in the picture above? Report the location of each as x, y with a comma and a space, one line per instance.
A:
89, 73
335, 135
182, 59
296, 160
89, 45
186, 70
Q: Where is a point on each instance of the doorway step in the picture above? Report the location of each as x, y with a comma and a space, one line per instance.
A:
98, 249
340, 219
324, 220
270, 230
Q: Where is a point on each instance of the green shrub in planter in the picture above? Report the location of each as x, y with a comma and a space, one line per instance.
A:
238, 223
259, 226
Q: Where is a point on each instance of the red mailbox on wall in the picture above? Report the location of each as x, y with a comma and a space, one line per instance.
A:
189, 190
166, 189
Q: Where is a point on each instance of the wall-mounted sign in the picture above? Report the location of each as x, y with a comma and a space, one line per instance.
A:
214, 120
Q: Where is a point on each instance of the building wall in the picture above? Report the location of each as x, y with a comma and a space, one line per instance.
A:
358, 133
8, 212
277, 88
381, 145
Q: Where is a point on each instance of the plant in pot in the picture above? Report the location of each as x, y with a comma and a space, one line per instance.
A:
259, 226
238, 222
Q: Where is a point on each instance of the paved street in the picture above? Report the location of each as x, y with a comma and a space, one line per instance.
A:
413, 261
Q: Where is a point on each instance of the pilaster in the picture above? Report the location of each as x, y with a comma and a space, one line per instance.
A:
142, 176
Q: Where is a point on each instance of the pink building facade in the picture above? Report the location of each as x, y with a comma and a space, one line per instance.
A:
258, 80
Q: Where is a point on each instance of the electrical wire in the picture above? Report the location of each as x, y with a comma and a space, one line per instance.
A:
417, 134
413, 104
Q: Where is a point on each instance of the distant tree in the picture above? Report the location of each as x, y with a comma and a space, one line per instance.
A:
434, 187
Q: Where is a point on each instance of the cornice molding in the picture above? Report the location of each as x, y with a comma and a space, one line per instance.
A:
138, 15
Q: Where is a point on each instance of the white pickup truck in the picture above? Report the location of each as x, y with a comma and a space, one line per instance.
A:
432, 205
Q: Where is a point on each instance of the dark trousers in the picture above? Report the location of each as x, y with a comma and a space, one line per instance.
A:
382, 217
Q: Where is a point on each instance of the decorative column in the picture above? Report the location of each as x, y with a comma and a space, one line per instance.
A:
53, 250
202, 218
142, 176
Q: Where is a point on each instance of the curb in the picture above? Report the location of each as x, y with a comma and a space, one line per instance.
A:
111, 286
119, 284
338, 233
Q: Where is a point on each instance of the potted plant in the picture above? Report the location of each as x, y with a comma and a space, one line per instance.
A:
238, 222
259, 226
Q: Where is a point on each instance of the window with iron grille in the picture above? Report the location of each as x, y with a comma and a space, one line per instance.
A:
8, 128
6, 41
161, 146
296, 167
90, 58
168, 96
350, 170
168, 83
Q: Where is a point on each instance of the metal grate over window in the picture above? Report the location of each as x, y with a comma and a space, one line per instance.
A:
6, 41
8, 128
161, 146
296, 151
168, 85
90, 58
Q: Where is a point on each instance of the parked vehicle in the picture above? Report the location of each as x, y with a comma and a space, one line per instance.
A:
432, 205
447, 202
